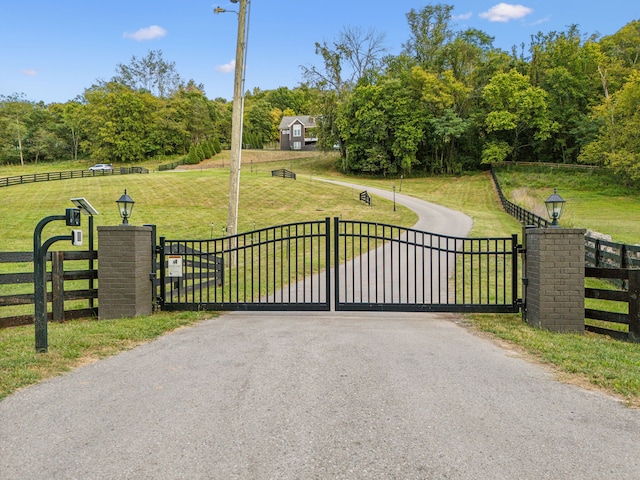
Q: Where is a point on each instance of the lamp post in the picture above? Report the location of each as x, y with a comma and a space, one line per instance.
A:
125, 206
554, 204
394, 198
237, 114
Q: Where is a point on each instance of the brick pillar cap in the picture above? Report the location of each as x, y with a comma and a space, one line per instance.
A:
128, 228
555, 231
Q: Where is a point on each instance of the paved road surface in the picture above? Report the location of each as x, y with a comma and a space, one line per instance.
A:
431, 217
316, 396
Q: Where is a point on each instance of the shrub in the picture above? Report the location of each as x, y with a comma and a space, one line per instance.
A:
192, 156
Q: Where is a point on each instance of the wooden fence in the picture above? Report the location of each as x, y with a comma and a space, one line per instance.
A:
365, 197
567, 166
16, 288
629, 294
171, 166
284, 173
616, 263
523, 216
598, 252
603, 253
49, 176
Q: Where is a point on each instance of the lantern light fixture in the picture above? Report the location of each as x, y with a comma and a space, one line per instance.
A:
555, 204
125, 207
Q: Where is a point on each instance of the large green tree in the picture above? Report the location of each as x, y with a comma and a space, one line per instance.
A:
517, 117
151, 73
355, 55
121, 123
565, 65
14, 113
405, 122
617, 145
72, 118
42, 142
431, 32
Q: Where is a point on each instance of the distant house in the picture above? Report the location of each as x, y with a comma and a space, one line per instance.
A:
298, 133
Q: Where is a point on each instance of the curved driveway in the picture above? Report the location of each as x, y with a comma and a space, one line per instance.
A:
317, 396
431, 217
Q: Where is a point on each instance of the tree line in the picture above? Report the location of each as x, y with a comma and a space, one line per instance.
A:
145, 111
449, 102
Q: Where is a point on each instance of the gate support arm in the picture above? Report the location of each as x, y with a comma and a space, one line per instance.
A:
40, 294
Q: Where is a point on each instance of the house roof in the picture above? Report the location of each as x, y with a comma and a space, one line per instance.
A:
306, 120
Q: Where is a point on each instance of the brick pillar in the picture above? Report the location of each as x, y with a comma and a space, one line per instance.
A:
124, 265
555, 279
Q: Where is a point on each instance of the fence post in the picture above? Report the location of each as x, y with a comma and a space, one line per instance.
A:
634, 305
163, 270
57, 286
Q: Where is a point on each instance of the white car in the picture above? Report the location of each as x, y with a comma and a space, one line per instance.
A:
101, 166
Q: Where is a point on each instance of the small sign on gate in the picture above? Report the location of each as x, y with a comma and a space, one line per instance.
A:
175, 265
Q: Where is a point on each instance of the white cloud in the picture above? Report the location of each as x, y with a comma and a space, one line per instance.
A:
463, 16
147, 33
504, 12
227, 67
29, 72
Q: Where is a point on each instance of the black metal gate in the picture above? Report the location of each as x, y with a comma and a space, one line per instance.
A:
276, 268
373, 267
401, 269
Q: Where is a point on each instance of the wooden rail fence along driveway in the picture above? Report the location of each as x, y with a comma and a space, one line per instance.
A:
67, 268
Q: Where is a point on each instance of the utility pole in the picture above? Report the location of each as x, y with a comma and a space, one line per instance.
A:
236, 121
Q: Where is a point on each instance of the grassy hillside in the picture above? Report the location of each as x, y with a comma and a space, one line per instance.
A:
596, 199
187, 203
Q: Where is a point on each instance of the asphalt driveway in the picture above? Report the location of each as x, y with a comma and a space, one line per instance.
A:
332, 395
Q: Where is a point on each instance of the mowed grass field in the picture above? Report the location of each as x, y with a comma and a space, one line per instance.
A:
188, 204
595, 199
191, 203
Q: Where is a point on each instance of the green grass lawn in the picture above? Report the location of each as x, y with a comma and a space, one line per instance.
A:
186, 204
193, 205
595, 199
76, 343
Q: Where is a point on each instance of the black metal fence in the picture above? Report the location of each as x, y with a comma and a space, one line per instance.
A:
191, 271
49, 176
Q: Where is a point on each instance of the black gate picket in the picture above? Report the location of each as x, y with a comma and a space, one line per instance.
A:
376, 267
276, 268
401, 269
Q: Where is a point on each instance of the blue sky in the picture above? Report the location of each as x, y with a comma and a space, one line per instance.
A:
53, 51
